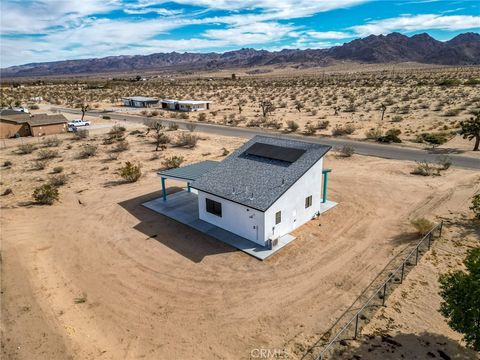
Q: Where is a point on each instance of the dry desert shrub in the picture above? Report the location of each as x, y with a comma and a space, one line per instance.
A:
45, 194
46, 154
343, 130
130, 172
347, 151
173, 162
58, 180
52, 142
80, 134
186, 140
39, 165
87, 150
422, 225
24, 149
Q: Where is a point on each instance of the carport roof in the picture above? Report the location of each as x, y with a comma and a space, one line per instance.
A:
190, 172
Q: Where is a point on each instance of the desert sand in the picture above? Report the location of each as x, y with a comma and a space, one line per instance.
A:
411, 317
97, 276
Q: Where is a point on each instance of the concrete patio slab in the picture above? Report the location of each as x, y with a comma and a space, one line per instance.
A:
327, 205
182, 206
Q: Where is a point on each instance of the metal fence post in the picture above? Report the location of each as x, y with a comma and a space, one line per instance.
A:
429, 240
356, 327
441, 227
416, 257
403, 271
384, 294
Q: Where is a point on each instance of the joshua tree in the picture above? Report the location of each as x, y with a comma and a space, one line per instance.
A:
84, 108
267, 107
299, 105
470, 129
161, 140
383, 107
241, 102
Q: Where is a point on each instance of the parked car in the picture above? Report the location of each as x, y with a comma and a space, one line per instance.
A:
78, 122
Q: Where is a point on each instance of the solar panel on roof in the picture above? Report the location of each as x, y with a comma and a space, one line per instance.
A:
275, 152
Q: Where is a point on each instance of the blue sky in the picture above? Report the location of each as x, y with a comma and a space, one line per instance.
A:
51, 30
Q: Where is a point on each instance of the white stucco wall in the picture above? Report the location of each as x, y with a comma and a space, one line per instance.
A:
292, 203
236, 218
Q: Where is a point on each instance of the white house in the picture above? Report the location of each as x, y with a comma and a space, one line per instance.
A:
139, 101
262, 191
185, 105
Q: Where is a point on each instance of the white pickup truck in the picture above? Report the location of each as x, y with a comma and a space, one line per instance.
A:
78, 122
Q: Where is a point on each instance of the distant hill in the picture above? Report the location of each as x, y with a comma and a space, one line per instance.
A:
463, 49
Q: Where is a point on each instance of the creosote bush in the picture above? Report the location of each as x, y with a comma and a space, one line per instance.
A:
432, 138
87, 150
130, 172
173, 162
422, 225
121, 146
51, 142
57, 169
390, 136
46, 154
58, 180
292, 126
80, 134
39, 165
424, 168
186, 140
343, 130
45, 194
26, 149
347, 151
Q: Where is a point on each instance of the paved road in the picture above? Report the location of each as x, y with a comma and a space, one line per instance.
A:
361, 147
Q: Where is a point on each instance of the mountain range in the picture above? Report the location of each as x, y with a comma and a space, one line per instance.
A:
464, 49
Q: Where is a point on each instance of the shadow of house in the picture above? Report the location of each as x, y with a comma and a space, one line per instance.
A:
404, 346
182, 239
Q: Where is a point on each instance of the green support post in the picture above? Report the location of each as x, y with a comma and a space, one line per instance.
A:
164, 190
325, 181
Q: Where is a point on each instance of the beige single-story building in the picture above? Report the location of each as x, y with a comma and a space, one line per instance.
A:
23, 124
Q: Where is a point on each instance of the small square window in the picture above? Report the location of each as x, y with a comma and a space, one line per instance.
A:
214, 207
278, 217
308, 201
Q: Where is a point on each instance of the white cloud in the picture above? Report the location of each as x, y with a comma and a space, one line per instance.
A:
418, 22
329, 34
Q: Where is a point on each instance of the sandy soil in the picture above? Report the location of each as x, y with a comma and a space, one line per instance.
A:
410, 326
98, 276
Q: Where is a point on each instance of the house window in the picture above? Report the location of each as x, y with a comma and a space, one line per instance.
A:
308, 201
278, 217
214, 207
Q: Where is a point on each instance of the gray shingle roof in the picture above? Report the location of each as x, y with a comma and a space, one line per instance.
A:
240, 176
190, 172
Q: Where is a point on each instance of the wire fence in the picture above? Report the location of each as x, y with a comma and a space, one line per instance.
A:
349, 325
